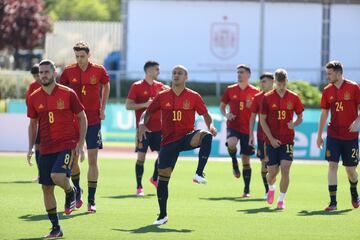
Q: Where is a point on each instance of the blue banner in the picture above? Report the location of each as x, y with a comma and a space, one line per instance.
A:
120, 126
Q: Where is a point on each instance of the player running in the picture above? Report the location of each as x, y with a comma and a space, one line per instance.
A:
53, 107
140, 96
276, 118
239, 97
266, 85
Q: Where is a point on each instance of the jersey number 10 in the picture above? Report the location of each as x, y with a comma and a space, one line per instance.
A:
177, 116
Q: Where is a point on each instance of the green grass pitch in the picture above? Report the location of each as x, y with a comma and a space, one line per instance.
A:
212, 211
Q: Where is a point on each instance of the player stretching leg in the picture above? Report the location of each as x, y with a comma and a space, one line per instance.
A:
178, 106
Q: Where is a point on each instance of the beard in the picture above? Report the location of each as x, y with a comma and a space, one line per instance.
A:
50, 81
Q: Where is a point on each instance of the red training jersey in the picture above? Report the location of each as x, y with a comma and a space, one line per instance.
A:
177, 113
280, 111
140, 92
255, 108
55, 113
237, 99
86, 84
343, 103
32, 87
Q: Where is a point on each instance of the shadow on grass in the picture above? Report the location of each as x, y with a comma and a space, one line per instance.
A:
260, 210
42, 217
17, 182
130, 196
306, 213
236, 199
153, 229
33, 238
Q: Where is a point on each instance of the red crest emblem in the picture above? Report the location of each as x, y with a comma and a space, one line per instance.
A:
224, 39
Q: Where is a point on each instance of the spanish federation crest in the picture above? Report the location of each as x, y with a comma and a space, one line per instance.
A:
224, 39
93, 80
328, 153
290, 105
186, 104
60, 104
346, 95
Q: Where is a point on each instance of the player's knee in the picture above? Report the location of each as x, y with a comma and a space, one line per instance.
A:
352, 174
47, 189
206, 139
333, 166
232, 148
75, 169
93, 162
140, 162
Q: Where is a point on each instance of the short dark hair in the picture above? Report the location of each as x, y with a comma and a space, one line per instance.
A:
82, 46
35, 69
281, 75
267, 75
244, 66
47, 62
335, 65
150, 64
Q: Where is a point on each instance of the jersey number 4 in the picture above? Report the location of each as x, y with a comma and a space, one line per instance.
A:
83, 90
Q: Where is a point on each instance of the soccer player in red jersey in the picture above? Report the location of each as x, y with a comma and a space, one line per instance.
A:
32, 87
239, 97
276, 118
140, 96
53, 107
342, 98
86, 79
178, 106
266, 85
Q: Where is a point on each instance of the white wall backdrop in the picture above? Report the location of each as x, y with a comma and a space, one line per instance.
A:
212, 37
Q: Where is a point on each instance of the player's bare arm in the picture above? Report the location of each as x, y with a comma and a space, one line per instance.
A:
354, 127
145, 116
323, 117
104, 99
297, 122
79, 150
32, 130
229, 116
132, 105
209, 123
251, 129
274, 142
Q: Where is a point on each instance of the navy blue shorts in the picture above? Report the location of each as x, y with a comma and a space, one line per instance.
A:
60, 162
169, 153
275, 155
347, 149
93, 137
153, 140
260, 149
245, 148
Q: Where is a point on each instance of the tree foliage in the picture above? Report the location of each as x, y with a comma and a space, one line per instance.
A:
22, 24
83, 10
